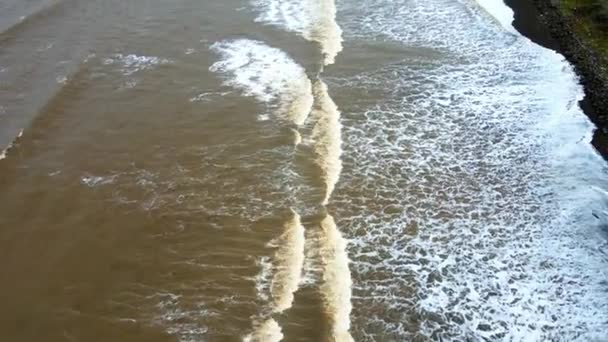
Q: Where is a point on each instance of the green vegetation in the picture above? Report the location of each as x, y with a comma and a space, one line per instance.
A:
591, 22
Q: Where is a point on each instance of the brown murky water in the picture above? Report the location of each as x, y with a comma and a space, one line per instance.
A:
266, 170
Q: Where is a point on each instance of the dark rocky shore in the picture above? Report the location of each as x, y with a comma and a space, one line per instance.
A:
543, 22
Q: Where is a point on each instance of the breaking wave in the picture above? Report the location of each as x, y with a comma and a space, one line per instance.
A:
326, 137
268, 74
289, 259
315, 20
286, 270
337, 282
267, 331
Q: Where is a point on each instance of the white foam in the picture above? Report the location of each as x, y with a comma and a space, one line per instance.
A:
131, 63
499, 10
315, 20
207, 96
297, 137
263, 117
182, 323
268, 74
92, 181
262, 279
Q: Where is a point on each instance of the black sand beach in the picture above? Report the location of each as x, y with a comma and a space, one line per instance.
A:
541, 21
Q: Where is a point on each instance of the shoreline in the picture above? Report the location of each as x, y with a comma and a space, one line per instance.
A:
542, 22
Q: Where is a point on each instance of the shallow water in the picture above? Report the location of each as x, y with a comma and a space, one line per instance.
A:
294, 170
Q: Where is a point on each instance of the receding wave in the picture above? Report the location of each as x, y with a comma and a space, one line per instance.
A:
268, 74
315, 20
337, 283
326, 136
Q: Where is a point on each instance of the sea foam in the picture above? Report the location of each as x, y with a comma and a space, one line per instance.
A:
268, 74
471, 183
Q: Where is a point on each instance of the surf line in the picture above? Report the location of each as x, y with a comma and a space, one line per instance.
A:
288, 260
316, 21
336, 287
326, 137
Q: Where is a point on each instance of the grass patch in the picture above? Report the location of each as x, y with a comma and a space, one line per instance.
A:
591, 22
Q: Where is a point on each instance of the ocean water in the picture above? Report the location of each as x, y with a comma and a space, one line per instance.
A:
294, 170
